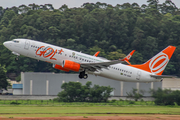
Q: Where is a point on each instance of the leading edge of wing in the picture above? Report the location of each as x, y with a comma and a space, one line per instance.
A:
99, 65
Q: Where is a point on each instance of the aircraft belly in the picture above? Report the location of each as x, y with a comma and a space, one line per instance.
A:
112, 74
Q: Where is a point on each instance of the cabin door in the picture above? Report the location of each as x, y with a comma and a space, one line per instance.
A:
138, 75
27, 43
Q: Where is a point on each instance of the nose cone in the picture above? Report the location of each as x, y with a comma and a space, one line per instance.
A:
7, 44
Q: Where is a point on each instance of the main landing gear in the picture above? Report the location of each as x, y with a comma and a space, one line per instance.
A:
83, 75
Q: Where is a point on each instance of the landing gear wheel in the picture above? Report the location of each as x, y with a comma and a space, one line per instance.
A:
80, 76
16, 59
83, 75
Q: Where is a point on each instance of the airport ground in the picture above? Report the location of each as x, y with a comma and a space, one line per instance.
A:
32, 108
114, 117
19, 112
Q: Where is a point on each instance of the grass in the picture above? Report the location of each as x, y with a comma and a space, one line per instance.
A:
89, 110
55, 103
49, 108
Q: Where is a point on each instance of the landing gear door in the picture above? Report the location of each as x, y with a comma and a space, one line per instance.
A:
138, 75
27, 43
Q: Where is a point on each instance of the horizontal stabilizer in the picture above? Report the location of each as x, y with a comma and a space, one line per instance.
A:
163, 76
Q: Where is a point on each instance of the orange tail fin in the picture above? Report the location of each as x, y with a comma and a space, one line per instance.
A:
157, 63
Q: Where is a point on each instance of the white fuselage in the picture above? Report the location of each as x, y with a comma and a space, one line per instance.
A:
56, 55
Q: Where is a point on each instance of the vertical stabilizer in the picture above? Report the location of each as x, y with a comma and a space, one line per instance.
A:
157, 63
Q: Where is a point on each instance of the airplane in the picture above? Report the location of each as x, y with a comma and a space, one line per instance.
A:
70, 60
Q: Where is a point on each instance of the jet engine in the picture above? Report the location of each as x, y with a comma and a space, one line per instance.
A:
56, 66
70, 65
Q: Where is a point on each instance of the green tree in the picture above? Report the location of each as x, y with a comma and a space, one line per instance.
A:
135, 94
76, 92
94, 27
115, 55
3, 79
166, 97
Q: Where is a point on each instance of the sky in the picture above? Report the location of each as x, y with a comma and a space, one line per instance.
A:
73, 3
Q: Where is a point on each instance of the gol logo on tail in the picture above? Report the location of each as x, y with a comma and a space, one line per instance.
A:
47, 52
158, 63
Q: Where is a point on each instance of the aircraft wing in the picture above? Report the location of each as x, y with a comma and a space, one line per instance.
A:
99, 65
163, 76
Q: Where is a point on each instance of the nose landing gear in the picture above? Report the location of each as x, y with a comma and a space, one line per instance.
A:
17, 58
17, 54
83, 75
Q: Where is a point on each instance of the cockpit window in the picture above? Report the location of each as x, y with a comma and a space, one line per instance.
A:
16, 41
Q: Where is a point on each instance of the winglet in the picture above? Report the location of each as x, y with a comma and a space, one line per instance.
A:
127, 58
97, 53
129, 55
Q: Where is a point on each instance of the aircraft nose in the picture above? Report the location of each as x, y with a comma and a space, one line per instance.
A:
7, 44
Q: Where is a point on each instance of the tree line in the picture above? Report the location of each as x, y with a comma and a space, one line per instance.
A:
113, 30
76, 92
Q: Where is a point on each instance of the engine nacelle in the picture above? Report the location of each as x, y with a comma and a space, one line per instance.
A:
70, 65
56, 66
